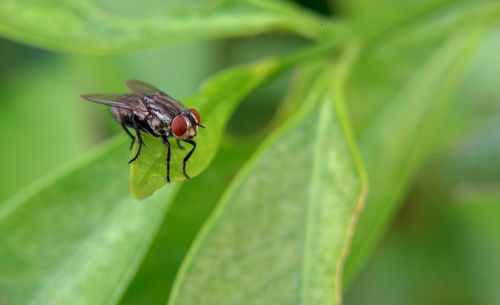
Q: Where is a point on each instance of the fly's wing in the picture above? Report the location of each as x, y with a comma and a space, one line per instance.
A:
126, 101
147, 89
141, 87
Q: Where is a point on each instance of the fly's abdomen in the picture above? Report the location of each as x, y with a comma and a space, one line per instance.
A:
121, 115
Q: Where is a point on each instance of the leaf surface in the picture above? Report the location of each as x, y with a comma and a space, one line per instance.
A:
77, 237
84, 26
280, 233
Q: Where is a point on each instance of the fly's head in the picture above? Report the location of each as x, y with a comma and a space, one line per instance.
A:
185, 125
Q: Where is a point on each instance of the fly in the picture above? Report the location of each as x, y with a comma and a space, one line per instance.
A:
148, 109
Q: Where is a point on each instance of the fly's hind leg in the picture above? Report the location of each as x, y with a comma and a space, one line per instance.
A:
164, 139
130, 135
186, 158
139, 138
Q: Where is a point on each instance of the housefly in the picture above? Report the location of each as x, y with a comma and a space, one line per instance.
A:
148, 109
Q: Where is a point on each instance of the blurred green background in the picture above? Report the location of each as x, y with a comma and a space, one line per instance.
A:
443, 247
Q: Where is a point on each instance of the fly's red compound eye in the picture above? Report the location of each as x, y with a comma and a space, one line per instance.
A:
179, 126
196, 115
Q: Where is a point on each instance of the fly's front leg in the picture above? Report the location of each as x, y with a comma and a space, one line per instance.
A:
186, 158
165, 141
139, 138
179, 144
130, 135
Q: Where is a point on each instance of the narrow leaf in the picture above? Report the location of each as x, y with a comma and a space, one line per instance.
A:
85, 26
397, 140
279, 234
78, 237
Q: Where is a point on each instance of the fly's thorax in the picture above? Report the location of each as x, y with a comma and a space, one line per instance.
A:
160, 114
158, 123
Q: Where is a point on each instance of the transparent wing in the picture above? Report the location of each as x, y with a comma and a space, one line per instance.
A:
146, 89
106, 99
126, 101
141, 87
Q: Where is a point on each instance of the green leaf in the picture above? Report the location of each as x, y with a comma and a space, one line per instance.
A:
215, 102
280, 233
397, 140
77, 237
82, 26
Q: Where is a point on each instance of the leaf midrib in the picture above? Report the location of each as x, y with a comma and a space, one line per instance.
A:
309, 207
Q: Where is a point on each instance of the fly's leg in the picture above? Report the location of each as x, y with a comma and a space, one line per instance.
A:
139, 138
179, 144
164, 139
130, 135
186, 158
